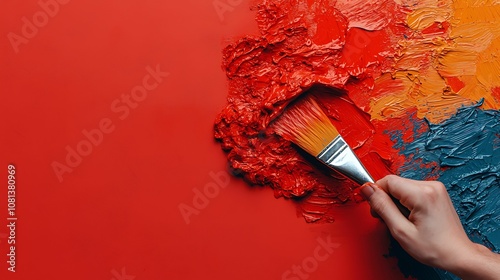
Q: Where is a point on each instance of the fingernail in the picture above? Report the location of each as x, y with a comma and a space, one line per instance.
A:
367, 190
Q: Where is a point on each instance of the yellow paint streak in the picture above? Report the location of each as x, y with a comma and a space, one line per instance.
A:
306, 125
426, 12
392, 97
488, 74
469, 52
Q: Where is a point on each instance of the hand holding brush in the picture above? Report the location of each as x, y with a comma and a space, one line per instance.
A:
419, 215
433, 233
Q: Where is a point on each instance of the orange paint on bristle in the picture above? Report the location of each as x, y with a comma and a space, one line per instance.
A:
306, 125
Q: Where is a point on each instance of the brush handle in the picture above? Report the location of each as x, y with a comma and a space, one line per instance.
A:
340, 157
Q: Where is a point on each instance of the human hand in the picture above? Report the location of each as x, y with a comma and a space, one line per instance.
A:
432, 233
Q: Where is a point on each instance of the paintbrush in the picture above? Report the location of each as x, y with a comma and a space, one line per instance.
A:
306, 125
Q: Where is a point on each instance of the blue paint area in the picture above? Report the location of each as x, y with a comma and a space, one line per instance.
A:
463, 152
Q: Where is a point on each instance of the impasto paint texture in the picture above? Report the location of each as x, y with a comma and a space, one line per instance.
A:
461, 152
413, 86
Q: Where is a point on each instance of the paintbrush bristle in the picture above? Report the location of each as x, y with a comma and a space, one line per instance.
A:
306, 125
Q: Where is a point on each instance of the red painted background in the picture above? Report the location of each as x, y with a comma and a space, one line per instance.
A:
67, 69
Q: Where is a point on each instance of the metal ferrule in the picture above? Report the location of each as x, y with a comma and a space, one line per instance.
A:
339, 156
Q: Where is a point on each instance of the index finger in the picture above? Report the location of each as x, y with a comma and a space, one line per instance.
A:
407, 191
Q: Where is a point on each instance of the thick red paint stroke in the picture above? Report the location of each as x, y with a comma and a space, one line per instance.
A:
305, 48
496, 93
455, 83
330, 26
437, 28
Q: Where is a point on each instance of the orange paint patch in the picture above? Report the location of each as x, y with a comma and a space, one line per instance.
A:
450, 60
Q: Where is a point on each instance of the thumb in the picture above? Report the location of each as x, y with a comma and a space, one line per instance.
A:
381, 203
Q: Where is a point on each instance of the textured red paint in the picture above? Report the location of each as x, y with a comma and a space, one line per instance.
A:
305, 48
455, 83
496, 93
437, 28
330, 26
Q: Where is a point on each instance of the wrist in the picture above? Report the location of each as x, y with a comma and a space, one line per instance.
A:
475, 263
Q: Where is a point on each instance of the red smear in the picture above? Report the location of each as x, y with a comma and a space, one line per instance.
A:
437, 28
455, 83
409, 130
330, 27
298, 49
496, 93
364, 49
